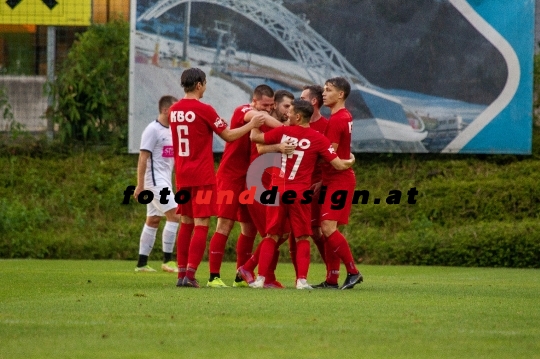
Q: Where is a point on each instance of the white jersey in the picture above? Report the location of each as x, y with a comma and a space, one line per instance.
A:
157, 139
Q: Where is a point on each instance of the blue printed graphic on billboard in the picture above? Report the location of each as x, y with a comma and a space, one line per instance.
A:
440, 76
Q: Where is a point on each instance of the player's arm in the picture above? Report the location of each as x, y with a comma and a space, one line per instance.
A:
341, 165
283, 147
256, 136
234, 134
268, 120
144, 155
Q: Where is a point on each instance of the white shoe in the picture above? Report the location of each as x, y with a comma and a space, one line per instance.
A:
302, 284
259, 282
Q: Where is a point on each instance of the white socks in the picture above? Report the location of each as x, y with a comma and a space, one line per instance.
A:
169, 236
148, 237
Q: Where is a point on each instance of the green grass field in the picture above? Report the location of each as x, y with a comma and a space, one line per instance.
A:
102, 309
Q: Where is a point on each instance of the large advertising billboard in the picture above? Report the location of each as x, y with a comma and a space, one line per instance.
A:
439, 76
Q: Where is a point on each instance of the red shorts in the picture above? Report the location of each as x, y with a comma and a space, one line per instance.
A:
341, 215
297, 214
234, 210
202, 205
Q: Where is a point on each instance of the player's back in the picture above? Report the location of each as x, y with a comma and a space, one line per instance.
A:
192, 124
298, 167
236, 155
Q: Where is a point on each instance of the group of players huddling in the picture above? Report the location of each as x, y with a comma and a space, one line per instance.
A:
274, 141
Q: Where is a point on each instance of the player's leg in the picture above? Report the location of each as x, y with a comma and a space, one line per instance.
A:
169, 239
300, 215
268, 247
168, 236
244, 248
148, 238
197, 246
339, 245
216, 251
183, 238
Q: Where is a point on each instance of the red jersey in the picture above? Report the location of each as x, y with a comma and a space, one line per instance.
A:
297, 168
319, 126
339, 131
235, 161
192, 124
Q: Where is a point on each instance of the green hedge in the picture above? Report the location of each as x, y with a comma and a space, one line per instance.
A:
470, 211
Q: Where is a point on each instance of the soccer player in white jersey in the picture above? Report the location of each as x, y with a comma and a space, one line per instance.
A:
154, 173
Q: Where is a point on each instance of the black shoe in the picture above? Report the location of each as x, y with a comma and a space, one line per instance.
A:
352, 280
180, 282
325, 285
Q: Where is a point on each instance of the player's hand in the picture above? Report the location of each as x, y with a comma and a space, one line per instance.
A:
286, 148
257, 120
138, 190
353, 158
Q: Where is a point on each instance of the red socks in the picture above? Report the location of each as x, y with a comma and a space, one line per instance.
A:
292, 251
339, 246
302, 258
332, 265
182, 247
196, 249
216, 251
244, 247
268, 247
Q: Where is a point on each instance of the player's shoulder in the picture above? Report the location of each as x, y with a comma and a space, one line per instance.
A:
151, 127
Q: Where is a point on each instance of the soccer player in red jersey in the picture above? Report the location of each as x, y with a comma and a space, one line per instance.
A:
282, 103
231, 178
313, 94
192, 124
338, 131
297, 171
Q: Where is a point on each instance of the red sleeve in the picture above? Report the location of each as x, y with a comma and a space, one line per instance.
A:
216, 123
274, 135
326, 151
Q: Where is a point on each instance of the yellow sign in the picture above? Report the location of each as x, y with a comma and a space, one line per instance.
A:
46, 12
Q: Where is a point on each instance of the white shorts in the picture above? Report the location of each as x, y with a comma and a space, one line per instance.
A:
155, 208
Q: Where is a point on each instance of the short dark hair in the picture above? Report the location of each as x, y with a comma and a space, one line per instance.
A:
263, 90
341, 84
166, 101
190, 78
280, 94
304, 108
315, 91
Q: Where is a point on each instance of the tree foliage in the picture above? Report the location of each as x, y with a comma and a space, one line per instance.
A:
91, 89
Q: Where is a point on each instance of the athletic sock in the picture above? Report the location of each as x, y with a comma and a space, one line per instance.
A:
333, 264
213, 276
244, 247
146, 242
182, 247
339, 245
268, 248
215, 252
271, 273
302, 258
197, 246
143, 260
167, 257
168, 236
253, 261
292, 252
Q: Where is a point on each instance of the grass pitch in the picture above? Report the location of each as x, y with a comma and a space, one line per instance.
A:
102, 309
